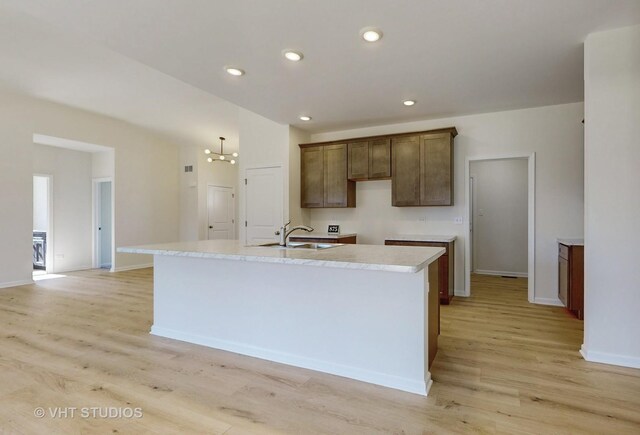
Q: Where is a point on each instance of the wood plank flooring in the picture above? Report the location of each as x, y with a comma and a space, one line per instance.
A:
504, 366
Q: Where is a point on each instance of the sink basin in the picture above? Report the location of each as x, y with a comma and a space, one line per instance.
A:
301, 245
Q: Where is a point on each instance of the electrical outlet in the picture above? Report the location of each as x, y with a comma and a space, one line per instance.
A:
457, 220
422, 219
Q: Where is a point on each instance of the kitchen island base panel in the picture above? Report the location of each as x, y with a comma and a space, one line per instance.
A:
368, 325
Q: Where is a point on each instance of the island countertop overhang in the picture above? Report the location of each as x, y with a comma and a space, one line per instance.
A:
364, 257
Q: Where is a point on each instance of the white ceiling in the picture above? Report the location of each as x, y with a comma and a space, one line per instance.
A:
453, 57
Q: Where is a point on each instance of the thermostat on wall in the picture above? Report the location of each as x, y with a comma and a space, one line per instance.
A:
333, 229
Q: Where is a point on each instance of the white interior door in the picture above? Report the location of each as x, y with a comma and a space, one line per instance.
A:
264, 202
105, 226
103, 221
221, 213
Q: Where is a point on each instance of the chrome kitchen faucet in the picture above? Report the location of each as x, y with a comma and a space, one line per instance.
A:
284, 233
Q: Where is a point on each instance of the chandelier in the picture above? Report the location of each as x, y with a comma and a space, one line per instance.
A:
221, 156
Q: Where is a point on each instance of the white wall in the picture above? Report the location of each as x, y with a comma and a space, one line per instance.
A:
612, 205
554, 133
41, 204
103, 164
262, 143
193, 191
500, 230
71, 238
298, 216
145, 189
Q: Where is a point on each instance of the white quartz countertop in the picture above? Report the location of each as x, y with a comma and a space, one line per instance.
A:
407, 259
316, 235
572, 242
421, 238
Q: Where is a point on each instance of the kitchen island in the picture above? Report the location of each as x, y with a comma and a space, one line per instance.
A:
359, 311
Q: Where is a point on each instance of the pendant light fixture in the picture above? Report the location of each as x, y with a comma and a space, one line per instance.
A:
221, 156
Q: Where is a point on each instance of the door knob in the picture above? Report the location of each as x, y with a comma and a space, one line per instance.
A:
210, 227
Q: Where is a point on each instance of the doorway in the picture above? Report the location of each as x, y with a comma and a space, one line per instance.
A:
501, 222
103, 223
221, 207
42, 225
264, 196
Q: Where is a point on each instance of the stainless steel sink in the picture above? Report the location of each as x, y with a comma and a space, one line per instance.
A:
301, 245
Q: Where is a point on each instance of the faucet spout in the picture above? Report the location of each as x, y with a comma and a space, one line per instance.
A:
284, 232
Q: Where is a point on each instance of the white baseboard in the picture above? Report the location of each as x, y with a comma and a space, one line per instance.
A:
610, 358
549, 301
134, 267
460, 293
16, 283
71, 269
404, 384
500, 273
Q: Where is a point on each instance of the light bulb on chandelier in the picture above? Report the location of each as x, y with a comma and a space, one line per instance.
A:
221, 156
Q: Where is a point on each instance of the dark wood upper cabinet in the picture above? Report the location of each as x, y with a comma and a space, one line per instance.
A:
370, 160
405, 184
358, 159
336, 185
312, 177
419, 164
323, 176
436, 169
379, 159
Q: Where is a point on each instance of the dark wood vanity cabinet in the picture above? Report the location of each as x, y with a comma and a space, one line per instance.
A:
571, 278
369, 160
323, 177
445, 264
423, 169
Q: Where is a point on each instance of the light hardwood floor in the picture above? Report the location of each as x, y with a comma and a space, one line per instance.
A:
504, 366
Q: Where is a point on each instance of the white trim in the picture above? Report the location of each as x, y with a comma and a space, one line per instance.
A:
531, 158
396, 382
460, 293
16, 283
234, 223
133, 267
549, 301
75, 269
500, 273
610, 358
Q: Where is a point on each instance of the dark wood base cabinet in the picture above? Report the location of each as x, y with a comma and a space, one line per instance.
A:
571, 278
350, 240
445, 265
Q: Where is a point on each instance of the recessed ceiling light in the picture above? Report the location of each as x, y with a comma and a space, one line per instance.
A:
234, 71
305, 118
409, 102
293, 56
371, 34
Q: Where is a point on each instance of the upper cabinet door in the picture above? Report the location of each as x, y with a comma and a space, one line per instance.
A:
358, 160
312, 177
380, 158
436, 169
338, 190
405, 160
